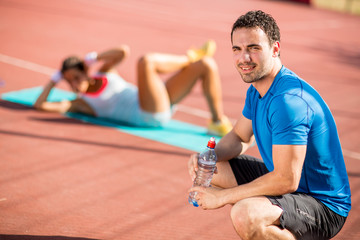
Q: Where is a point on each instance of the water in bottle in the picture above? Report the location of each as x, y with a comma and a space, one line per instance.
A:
206, 166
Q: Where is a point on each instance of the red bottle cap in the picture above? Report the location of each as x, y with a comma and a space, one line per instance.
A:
211, 143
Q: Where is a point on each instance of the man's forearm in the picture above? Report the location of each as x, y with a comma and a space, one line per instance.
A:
270, 184
237, 141
229, 146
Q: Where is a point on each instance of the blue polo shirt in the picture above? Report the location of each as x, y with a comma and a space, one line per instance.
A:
293, 113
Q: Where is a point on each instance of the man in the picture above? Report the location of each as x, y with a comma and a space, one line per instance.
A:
149, 104
300, 189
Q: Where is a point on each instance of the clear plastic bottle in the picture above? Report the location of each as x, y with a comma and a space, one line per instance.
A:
206, 166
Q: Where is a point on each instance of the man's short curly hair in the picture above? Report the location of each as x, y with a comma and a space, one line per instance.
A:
258, 18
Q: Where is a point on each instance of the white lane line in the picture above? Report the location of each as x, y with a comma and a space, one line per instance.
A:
194, 111
189, 110
26, 64
351, 154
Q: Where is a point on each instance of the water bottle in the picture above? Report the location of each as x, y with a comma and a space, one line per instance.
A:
206, 166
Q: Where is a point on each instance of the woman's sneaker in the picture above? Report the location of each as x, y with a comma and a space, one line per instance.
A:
208, 49
220, 128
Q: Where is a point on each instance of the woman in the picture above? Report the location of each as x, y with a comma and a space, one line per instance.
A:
151, 103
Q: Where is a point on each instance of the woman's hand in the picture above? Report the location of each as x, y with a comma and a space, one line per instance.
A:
56, 77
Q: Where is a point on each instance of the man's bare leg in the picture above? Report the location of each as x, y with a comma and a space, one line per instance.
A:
257, 218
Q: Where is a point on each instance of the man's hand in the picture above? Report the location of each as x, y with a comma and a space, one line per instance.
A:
193, 165
208, 198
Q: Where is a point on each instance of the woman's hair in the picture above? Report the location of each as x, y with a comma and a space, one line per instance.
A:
72, 62
259, 19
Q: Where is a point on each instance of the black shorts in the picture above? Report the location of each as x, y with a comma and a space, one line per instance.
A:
303, 215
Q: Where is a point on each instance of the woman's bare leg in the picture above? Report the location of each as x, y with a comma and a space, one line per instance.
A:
206, 71
155, 96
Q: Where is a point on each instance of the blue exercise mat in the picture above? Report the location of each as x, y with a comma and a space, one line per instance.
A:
175, 133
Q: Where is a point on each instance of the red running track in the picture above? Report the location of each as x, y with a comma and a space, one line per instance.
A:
63, 179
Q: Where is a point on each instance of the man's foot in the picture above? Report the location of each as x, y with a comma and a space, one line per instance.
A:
220, 128
208, 49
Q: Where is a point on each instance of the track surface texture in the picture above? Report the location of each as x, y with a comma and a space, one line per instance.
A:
64, 179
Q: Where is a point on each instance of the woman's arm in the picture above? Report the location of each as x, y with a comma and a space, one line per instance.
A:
44, 95
55, 78
109, 58
77, 105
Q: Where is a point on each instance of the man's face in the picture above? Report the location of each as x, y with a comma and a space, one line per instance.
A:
252, 53
77, 79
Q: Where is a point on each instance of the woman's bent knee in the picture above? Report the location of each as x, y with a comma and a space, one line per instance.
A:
145, 60
125, 49
148, 61
208, 62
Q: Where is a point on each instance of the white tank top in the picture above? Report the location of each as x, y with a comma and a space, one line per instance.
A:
117, 100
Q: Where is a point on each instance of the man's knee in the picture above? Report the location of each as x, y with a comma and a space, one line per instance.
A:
245, 219
254, 218
239, 215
